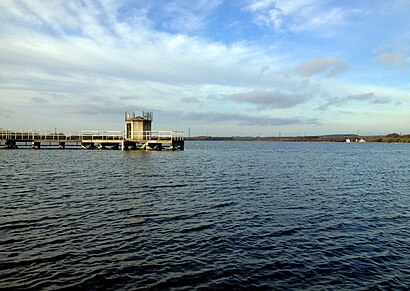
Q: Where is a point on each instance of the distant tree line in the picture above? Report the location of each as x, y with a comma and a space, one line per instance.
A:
390, 138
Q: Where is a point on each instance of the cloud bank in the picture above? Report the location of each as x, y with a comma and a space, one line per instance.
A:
392, 59
367, 98
327, 67
246, 64
271, 99
216, 117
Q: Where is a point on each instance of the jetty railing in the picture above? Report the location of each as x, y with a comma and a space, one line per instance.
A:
157, 135
89, 135
69, 135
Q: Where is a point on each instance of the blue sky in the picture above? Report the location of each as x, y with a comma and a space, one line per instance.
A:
244, 67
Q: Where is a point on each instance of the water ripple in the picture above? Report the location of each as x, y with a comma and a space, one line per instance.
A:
216, 216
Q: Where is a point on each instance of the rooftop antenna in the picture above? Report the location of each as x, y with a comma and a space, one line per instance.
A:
147, 115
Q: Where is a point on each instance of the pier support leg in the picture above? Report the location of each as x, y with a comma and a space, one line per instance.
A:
10, 144
61, 145
155, 146
177, 145
146, 146
87, 145
126, 145
35, 145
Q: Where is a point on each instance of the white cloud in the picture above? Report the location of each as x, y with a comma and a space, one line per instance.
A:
186, 15
258, 5
137, 54
321, 21
296, 15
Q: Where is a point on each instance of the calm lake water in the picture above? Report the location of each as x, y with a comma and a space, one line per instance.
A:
237, 215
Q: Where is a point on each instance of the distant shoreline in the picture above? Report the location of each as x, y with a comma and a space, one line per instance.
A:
390, 138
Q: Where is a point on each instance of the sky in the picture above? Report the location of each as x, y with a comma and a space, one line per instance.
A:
207, 67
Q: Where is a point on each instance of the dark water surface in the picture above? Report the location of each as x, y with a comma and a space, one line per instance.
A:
235, 215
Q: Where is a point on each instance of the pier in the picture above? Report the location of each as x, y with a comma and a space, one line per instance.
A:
137, 136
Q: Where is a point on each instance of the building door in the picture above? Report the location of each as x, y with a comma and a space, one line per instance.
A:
128, 130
